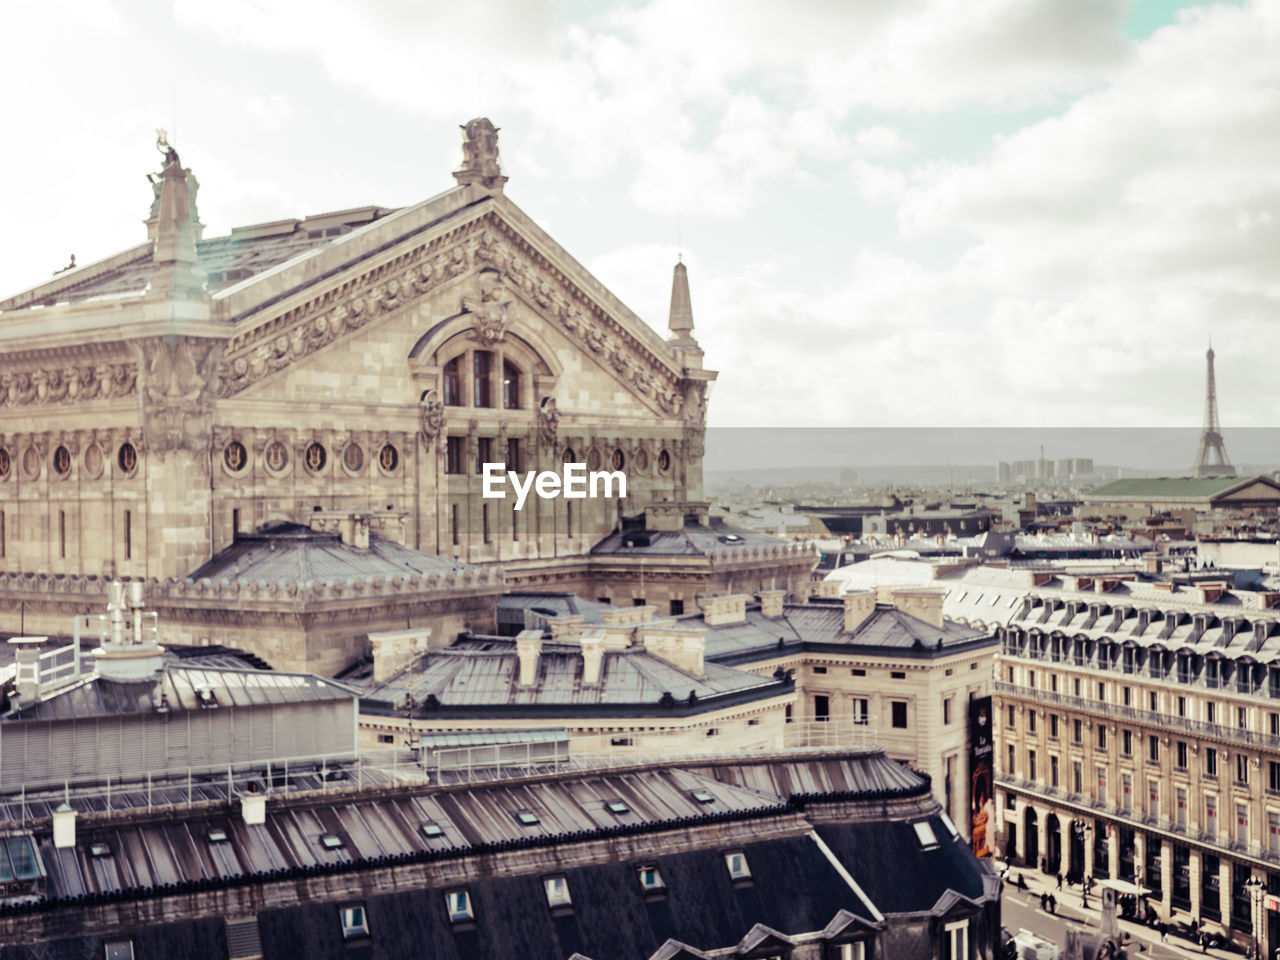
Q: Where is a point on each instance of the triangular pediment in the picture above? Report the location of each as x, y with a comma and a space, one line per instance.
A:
357, 308
1258, 489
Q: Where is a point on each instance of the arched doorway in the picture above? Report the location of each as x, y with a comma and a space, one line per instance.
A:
1077, 851
1030, 838
1052, 844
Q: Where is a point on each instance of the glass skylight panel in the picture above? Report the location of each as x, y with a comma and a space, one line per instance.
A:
617, 806
331, 841
925, 834
557, 892
354, 922
737, 864
217, 835
703, 797
951, 827
527, 818
99, 849
650, 878
458, 904
431, 830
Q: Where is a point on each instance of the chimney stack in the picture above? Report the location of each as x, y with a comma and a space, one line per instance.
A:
924, 604
858, 606
717, 611
64, 827
771, 602
528, 650
253, 809
592, 658
27, 662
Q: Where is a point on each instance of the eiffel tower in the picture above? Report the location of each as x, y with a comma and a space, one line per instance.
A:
1211, 457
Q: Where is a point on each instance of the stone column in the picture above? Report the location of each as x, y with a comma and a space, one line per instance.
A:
1224, 890
1067, 840
1042, 838
1196, 879
1087, 869
1166, 875
1020, 832
1140, 857
1113, 854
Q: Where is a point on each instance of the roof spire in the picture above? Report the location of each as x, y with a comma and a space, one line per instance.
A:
681, 317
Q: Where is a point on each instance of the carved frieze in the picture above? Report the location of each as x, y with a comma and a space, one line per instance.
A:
506, 273
67, 384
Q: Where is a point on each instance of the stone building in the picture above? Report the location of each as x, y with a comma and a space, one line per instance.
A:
889, 660
1138, 739
352, 370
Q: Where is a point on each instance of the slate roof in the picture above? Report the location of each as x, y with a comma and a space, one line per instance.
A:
480, 674
805, 828
246, 252
291, 553
694, 539
178, 684
512, 607
819, 626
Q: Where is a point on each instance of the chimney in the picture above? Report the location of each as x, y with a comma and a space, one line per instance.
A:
718, 611
27, 662
64, 827
253, 808
827, 589
859, 605
528, 649
925, 605
392, 649
592, 658
565, 629
684, 647
771, 602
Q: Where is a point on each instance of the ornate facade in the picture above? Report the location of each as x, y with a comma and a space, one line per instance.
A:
157, 403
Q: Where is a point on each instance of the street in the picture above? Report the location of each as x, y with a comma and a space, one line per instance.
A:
1021, 910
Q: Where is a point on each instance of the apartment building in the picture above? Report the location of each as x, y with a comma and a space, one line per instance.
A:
1137, 732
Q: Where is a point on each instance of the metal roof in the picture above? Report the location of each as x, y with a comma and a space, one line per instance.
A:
888, 629
225, 261
1176, 488
178, 687
490, 677
694, 539
290, 553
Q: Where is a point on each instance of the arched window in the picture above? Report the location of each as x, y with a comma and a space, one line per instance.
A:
510, 386
453, 383
482, 369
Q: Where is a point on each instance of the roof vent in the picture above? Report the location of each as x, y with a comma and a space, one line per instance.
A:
133, 652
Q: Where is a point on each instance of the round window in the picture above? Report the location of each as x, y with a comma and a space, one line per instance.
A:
62, 461
353, 457
235, 456
127, 458
316, 457
276, 456
388, 458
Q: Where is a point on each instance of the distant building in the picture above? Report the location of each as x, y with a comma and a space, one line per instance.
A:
1183, 496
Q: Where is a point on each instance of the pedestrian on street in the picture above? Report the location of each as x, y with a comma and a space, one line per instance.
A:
1044, 902
1059, 881
1022, 882
1084, 899
1053, 903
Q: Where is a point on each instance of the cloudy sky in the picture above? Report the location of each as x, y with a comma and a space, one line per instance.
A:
895, 212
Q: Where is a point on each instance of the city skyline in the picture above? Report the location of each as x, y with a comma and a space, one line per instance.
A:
1035, 215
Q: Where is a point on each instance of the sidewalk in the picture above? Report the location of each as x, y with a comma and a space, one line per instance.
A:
1143, 938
